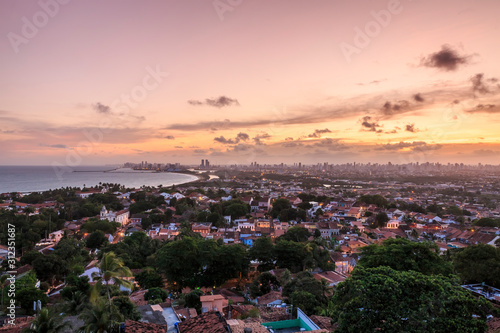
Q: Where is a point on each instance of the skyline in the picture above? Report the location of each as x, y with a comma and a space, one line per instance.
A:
88, 83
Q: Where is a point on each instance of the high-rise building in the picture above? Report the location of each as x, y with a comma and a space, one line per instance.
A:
202, 163
207, 163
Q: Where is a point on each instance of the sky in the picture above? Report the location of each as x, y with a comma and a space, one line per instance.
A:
238, 81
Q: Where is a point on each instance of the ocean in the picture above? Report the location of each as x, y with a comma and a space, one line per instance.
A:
43, 178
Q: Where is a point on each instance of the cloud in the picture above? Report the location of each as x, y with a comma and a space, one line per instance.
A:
368, 125
170, 137
239, 137
412, 146
291, 144
330, 144
418, 98
259, 137
482, 85
317, 133
179, 147
485, 108
289, 138
376, 82
446, 59
101, 108
242, 137
390, 109
486, 152
223, 140
201, 151
218, 102
411, 128
58, 146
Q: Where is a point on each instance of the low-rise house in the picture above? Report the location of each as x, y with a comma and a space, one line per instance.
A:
272, 298
213, 303
121, 216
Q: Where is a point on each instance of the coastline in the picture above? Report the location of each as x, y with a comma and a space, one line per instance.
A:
43, 178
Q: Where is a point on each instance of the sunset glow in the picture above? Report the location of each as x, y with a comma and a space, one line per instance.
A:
282, 81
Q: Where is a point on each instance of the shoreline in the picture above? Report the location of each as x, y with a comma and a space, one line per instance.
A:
56, 186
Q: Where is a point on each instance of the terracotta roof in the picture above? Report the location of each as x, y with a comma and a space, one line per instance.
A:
270, 314
323, 322
238, 326
211, 298
19, 324
208, 322
141, 327
269, 297
494, 325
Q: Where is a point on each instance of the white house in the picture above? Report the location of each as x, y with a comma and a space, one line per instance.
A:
121, 216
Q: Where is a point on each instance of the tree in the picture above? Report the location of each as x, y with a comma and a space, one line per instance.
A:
290, 255
154, 294
96, 240
236, 210
262, 250
149, 279
402, 255
304, 281
195, 262
47, 321
477, 264
101, 318
381, 220
296, 234
278, 206
76, 303
110, 269
305, 301
27, 293
26, 297
263, 284
126, 307
193, 300
394, 301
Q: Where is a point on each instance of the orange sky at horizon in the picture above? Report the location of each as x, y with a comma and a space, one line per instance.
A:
237, 82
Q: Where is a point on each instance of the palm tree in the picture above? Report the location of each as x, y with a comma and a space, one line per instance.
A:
101, 318
111, 268
326, 290
78, 302
47, 322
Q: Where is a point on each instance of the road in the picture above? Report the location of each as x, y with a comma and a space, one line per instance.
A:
171, 319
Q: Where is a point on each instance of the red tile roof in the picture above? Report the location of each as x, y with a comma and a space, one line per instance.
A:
208, 322
141, 327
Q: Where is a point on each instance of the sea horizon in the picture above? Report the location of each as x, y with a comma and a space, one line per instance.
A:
30, 178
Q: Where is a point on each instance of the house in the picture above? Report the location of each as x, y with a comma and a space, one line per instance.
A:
121, 216
332, 278
393, 224
344, 264
86, 194
142, 327
271, 298
328, 229
213, 303
4, 252
212, 322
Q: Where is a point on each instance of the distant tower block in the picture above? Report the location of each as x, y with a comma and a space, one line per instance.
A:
207, 163
202, 163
